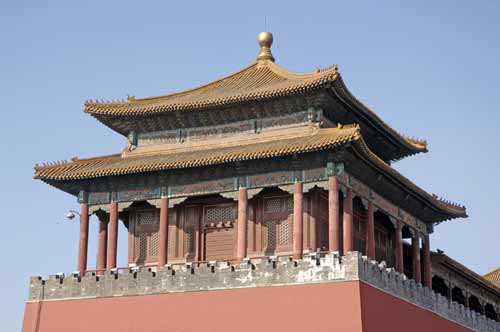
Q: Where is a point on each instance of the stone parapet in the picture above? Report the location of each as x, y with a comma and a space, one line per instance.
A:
397, 284
312, 269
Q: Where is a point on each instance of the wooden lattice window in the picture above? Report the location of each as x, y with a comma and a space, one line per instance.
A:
215, 214
190, 240
277, 223
273, 205
144, 225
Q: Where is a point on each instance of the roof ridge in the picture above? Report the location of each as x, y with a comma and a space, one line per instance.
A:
133, 99
277, 69
273, 67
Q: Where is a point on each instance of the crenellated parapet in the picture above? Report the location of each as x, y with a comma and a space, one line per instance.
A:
397, 284
266, 272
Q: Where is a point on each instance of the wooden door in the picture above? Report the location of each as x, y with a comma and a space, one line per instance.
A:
277, 224
219, 232
145, 224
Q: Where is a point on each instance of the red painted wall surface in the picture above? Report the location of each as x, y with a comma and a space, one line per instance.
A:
384, 312
344, 306
312, 308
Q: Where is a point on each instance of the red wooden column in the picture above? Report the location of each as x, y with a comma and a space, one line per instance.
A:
399, 246
113, 236
348, 228
102, 247
297, 221
163, 232
370, 232
241, 249
84, 238
415, 242
333, 215
427, 262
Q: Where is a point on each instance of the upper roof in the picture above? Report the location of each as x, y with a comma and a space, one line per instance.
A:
254, 148
260, 81
493, 277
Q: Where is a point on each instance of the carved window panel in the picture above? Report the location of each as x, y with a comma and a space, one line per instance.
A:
270, 235
216, 214
190, 240
172, 241
145, 237
273, 205
277, 223
284, 233
154, 244
173, 233
192, 218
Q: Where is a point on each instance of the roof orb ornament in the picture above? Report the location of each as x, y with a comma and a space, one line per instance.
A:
265, 40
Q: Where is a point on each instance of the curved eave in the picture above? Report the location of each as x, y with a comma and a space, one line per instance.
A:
448, 209
407, 145
465, 272
328, 138
299, 83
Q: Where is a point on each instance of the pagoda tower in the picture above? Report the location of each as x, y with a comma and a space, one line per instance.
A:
264, 200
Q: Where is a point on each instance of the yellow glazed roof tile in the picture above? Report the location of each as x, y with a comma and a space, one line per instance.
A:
117, 164
261, 80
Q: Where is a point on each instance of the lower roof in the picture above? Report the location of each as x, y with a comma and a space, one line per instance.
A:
446, 261
256, 148
493, 277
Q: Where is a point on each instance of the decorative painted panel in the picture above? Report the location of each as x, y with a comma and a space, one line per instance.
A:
263, 180
202, 133
204, 187
99, 198
159, 137
138, 194
284, 120
315, 174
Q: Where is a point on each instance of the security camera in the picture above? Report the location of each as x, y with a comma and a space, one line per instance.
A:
70, 215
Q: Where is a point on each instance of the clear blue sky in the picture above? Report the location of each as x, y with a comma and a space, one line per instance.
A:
429, 68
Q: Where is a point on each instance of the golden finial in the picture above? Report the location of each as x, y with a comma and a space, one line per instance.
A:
265, 41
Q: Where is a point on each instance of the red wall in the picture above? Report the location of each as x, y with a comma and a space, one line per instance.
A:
312, 308
384, 312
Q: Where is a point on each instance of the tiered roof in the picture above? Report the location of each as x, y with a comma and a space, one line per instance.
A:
255, 148
261, 81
